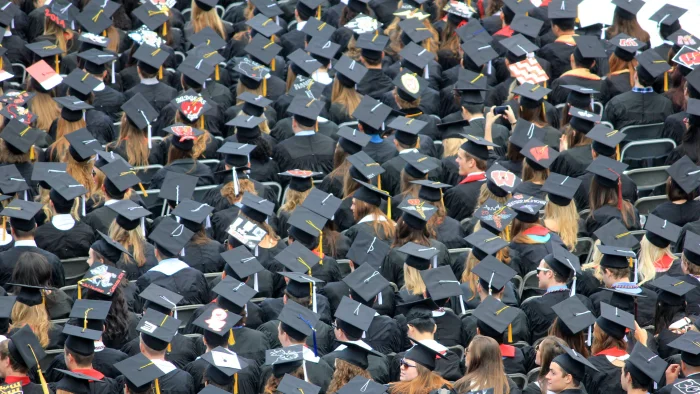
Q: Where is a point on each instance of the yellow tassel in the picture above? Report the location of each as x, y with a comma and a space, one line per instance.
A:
201, 122
80, 292
157, 387
272, 64
231, 338
143, 189
56, 63
216, 72
104, 33
510, 333
31, 152
388, 208
316, 127
264, 88
544, 111
379, 182
170, 348
617, 152
4, 227
318, 13
165, 29
666, 81
235, 376
0, 63
507, 233
44, 387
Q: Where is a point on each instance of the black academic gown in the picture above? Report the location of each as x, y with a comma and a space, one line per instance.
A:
462, 199
679, 214
646, 306
605, 214
558, 55
632, 108
188, 282
520, 328
540, 314
324, 336
629, 190
581, 77
573, 161
449, 366
526, 257
291, 41
312, 152
335, 291
605, 380
378, 366
205, 257
272, 307
8, 260
184, 166
182, 351
108, 101
675, 127
103, 361
133, 271
449, 328
530, 188
100, 219
158, 95
614, 85
248, 377
380, 152
65, 244
375, 83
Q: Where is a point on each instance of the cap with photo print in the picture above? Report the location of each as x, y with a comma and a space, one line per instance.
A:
245, 232
441, 283
324, 204
157, 329
485, 243
573, 315
140, 112
493, 274
170, 236
631, 6
410, 85
354, 317
257, 208
139, 372
493, 216
366, 281
477, 146
415, 30
652, 64
589, 47
614, 321
626, 47
673, 290
306, 226
235, 294
605, 139
582, 120
685, 174
82, 145
237, 154
423, 354
315, 28
501, 181
660, 232
495, 315
297, 258
416, 212
352, 140
362, 384
416, 55
349, 71
614, 233
269, 8
96, 16
303, 63
320, 48
560, 189
21, 114
241, 262
573, 363
105, 279
372, 44
371, 112
263, 49
518, 45
668, 14
606, 170
291, 385
538, 155
300, 180
419, 256
306, 108
11, 180
370, 194
19, 137
217, 320
177, 187
479, 53
526, 25
151, 16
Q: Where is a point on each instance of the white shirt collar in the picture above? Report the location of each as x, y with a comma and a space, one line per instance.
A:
8, 33
414, 150
300, 25
371, 218
7, 240
27, 242
149, 81
305, 133
170, 266
110, 202
476, 118
100, 87
63, 222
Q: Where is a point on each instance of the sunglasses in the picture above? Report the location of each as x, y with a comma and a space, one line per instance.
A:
543, 269
404, 364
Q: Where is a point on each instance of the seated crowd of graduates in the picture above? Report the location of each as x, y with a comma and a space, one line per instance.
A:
399, 131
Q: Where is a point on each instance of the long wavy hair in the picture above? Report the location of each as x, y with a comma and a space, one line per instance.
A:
484, 368
649, 254
34, 270
132, 240
345, 372
600, 196
340, 165
228, 191
566, 221
82, 172
63, 128
264, 127
386, 227
52, 29
534, 175
133, 138
117, 322
241, 88
345, 96
616, 65
424, 383
273, 382
468, 276
627, 24
294, 199
201, 19
44, 107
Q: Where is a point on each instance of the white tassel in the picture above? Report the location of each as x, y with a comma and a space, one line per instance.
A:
488, 69
435, 261
306, 376
150, 145
364, 335
208, 225
143, 226
379, 298
426, 72
235, 182
83, 115
590, 335
573, 287
182, 252
602, 32
26, 198
461, 303
256, 250
83, 203
255, 282
114, 79
635, 270
313, 295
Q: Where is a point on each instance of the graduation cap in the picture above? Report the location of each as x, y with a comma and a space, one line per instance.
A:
263, 49
257, 208
306, 108
297, 258
160, 299
21, 114
11, 181
500, 181
518, 46
217, 321
410, 85
192, 105
7, 303
681, 38
626, 47
120, 177
616, 256
660, 232
24, 347
306, 226
527, 208
104, 279
306, 87
82, 145
582, 120
150, 58
519, 7
645, 365
349, 72
64, 190
17, 97
157, 329
441, 283
74, 382
141, 114
573, 315
418, 165
300, 320
80, 340
651, 64
630, 6
564, 263
685, 173
415, 30
352, 140
606, 170
356, 352
246, 232
43, 170
269, 8
687, 57
417, 56
573, 363
493, 275
367, 248
192, 213
291, 385
44, 75
460, 10
210, 38
430, 190
479, 53
60, 13
527, 26
560, 189
233, 294
303, 63
485, 243
254, 105
151, 15
525, 131
241, 264
95, 62
494, 317
19, 137
263, 25
323, 50
689, 345
96, 16
315, 28
419, 256
143, 35
493, 216
416, 212
362, 384
372, 112
170, 236
128, 213
423, 354
184, 136
372, 44
673, 290
370, 194
614, 321
605, 140
588, 47
531, 95
237, 154
421, 308
667, 15
300, 180
470, 86
139, 372
223, 364
74, 104
196, 69
354, 317
477, 146
366, 281
474, 31
538, 155
563, 9
322, 203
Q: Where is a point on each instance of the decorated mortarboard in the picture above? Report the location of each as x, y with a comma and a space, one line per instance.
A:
351, 69
410, 85
518, 45
18, 97
191, 104
139, 372
661, 232
419, 256
631, 6
246, 232
526, 25
461, 10
318, 29
19, 113
479, 52
362, 24
300, 180
626, 47
527, 208
96, 40
20, 137
416, 212
494, 216
538, 154
82, 144
322, 48
528, 71
672, 289
685, 173
217, 320
560, 189
687, 57
667, 15
291, 385
143, 35
366, 280
362, 384
573, 315
441, 283
157, 329
96, 16
306, 87
652, 63
605, 139
44, 74
589, 47
263, 49
263, 25
324, 204
681, 38
104, 279
372, 112
62, 13
170, 236
423, 354
223, 364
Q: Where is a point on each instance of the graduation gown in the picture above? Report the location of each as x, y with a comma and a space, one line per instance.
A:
9, 258
521, 330
603, 215
206, 257
109, 101
184, 166
65, 244
378, 366
573, 161
33, 388
632, 108
375, 83
531, 189
558, 54
183, 350
629, 190
158, 95
100, 219
614, 84
462, 199
449, 328
133, 271
384, 335
175, 275
291, 41
679, 214
310, 152
607, 378
324, 336
248, 377
380, 151
272, 307
646, 306
581, 77
335, 291
176, 381
674, 128
391, 178
540, 314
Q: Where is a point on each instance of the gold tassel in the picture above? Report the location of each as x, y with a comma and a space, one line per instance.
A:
318, 13
56, 63
442, 200
507, 233
666, 81
44, 387
216, 72
80, 292
157, 387
320, 235
316, 127
160, 72
4, 227
0, 63
272, 64
264, 90
510, 333
170, 348
388, 208
544, 111
104, 33
617, 152
201, 122
235, 376
165, 29
31, 153
231, 338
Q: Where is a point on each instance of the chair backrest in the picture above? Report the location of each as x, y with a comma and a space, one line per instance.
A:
211, 277
344, 266
529, 299
70, 291
75, 269
530, 281
185, 312
458, 350
257, 300
642, 132
519, 379
584, 246
48, 359
213, 164
648, 178
647, 204
454, 253
532, 375
275, 186
20, 69
598, 107
652, 151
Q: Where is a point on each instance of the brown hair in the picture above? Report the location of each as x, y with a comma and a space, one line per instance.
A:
241, 88
345, 96
44, 107
629, 26
294, 199
201, 142
602, 341
136, 150
345, 372
16, 365
273, 382
349, 184
52, 29
485, 369
600, 196
535, 115
534, 175
340, 164
82, 172
517, 229
9, 157
244, 185
576, 341
201, 19
387, 226
616, 65
132, 240
549, 348
424, 383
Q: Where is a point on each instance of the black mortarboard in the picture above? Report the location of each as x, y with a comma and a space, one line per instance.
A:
430, 190
25, 348
673, 290
479, 53
128, 213
685, 174
104, 279
170, 236
315, 28
485, 242
21, 214
223, 364
354, 314
264, 25
652, 64
631, 6
157, 329
297, 258
614, 321
363, 164
416, 212
263, 49
605, 140
421, 308
581, 120
73, 103
95, 63
321, 48
689, 345
415, 30
192, 213
495, 314
20, 137
518, 46
493, 216
589, 47
373, 113
43, 170
139, 372
254, 105
352, 140
365, 280
616, 256
140, 112
474, 31
477, 146
562, 9
527, 208
370, 194
519, 7
268, 8
74, 382
607, 171
209, 37
524, 132
626, 47
81, 340
419, 256
291, 385
195, 68
306, 226
573, 363
235, 293
349, 71
324, 204
120, 175
531, 95
83, 145
257, 208
367, 248
423, 354
235, 153
645, 365
301, 286
241, 262
668, 14
7, 303
305, 107
563, 262
538, 155
64, 189
661, 232
560, 189
299, 318
681, 38
102, 158
150, 56
526, 25
303, 62
573, 315
151, 16
44, 49
11, 180
416, 55
356, 353
418, 165
372, 44
441, 283
306, 87
362, 384
493, 274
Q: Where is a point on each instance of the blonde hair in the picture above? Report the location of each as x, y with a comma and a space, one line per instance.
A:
43, 198
450, 146
229, 192
63, 128
201, 19
36, 317
131, 240
136, 150
264, 126
294, 199
649, 254
485, 194
82, 172
413, 281
594, 264
52, 29
566, 219
45, 108
347, 97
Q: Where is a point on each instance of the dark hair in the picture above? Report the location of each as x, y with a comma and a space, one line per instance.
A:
82, 361
405, 234
559, 277
675, 192
487, 331
474, 108
32, 269
665, 315
262, 151
24, 234
373, 62
600, 196
636, 384
423, 325
508, 15
690, 142
117, 322
565, 24
618, 272
306, 122
165, 253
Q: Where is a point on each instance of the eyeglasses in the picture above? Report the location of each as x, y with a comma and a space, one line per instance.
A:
543, 269
404, 364
335, 326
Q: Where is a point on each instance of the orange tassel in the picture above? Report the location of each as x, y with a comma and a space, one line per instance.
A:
4, 227
666, 81
216, 72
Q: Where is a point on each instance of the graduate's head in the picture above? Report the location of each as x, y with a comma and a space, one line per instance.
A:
559, 379
469, 163
76, 360
632, 378
560, 25
9, 364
